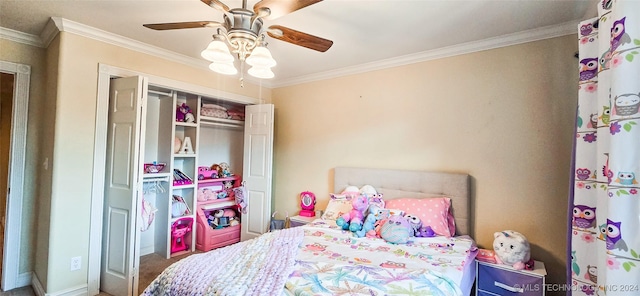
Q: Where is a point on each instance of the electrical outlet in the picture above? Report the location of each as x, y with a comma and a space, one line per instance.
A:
76, 262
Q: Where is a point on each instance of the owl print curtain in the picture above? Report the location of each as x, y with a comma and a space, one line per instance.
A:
605, 209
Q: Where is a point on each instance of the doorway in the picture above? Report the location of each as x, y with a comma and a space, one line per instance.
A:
14, 88
6, 103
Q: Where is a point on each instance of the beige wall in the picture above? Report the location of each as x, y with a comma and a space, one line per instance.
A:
504, 116
76, 88
34, 57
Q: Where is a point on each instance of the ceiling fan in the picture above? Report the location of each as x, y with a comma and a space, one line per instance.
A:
243, 31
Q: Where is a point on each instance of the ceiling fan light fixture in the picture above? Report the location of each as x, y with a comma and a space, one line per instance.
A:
261, 72
261, 57
217, 51
226, 68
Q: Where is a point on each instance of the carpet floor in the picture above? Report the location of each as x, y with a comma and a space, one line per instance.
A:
150, 267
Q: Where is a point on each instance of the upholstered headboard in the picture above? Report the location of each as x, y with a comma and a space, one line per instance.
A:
413, 184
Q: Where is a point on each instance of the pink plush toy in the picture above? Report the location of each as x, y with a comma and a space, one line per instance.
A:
354, 219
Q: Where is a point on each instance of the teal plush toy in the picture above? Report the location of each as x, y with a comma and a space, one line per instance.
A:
375, 214
396, 230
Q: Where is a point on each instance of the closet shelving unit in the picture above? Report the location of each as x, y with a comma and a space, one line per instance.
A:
213, 140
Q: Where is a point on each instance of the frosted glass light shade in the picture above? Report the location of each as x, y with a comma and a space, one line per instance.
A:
217, 51
226, 68
261, 57
261, 72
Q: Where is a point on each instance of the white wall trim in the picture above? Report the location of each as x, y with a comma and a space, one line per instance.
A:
107, 37
20, 37
49, 32
459, 49
501, 41
17, 161
37, 285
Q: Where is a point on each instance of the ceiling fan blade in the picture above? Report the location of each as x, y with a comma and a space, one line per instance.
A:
217, 5
299, 38
281, 7
183, 25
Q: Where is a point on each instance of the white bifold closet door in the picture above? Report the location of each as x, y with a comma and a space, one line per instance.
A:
257, 169
123, 181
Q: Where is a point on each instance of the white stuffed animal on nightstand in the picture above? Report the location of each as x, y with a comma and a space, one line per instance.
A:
511, 248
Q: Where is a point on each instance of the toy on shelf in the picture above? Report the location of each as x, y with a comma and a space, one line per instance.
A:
307, 203
205, 172
180, 178
226, 171
179, 207
215, 167
184, 114
179, 230
155, 167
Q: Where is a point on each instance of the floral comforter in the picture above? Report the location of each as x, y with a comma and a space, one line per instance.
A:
334, 262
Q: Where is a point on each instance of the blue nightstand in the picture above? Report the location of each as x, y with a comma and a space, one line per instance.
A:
503, 280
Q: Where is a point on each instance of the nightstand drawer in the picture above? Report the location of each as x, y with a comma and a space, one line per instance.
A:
296, 221
508, 282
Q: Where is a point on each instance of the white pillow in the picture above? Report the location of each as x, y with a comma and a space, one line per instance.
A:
337, 206
368, 190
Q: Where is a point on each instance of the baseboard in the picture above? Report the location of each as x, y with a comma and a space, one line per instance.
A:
37, 286
24, 279
75, 291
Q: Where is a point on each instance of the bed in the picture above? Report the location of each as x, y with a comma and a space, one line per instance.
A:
322, 259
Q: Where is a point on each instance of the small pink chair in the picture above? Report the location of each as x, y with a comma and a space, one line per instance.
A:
179, 229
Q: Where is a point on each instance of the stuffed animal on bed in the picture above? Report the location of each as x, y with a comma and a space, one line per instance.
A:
396, 230
415, 223
375, 214
511, 248
353, 220
426, 231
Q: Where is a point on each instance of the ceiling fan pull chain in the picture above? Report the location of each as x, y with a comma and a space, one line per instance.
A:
242, 73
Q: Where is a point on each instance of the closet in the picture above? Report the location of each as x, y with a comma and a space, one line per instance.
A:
153, 165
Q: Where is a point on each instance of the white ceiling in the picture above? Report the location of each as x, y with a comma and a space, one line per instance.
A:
364, 32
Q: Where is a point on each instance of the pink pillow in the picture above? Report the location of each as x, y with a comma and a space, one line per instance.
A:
433, 212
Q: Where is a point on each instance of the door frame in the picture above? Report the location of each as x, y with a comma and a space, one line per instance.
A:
105, 73
11, 277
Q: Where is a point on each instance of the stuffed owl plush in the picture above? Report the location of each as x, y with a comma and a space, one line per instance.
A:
511, 248
396, 230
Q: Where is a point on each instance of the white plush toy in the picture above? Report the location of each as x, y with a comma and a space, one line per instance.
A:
511, 248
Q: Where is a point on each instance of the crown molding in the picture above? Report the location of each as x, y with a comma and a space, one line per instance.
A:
117, 40
57, 24
449, 51
49, 32
20, 37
